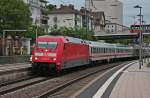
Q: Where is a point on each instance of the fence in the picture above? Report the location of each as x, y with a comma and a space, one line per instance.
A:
14, 59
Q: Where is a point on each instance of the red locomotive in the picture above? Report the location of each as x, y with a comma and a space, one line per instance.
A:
59, 52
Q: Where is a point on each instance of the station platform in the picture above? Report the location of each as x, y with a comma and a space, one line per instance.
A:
133, 83
127, 81
15, 64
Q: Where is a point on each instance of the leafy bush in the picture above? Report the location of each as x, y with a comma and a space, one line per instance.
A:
73, 32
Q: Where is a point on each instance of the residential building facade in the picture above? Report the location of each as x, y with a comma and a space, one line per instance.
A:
38, 11
87, 18
65, 16
98, 22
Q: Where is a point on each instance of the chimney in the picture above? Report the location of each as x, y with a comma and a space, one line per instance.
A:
71, 6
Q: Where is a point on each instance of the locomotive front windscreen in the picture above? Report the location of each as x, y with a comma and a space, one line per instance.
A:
49, 45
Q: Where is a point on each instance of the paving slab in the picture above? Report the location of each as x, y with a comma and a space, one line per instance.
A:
133, 83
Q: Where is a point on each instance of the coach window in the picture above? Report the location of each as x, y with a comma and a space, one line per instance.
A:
102, 50
117, 50
108, 50
93, 50
96, 50
105, 50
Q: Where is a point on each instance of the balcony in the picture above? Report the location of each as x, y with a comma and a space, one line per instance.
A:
44, 17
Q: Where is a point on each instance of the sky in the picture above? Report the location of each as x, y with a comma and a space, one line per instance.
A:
128, 11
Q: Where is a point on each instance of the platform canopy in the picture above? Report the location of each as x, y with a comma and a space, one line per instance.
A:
119, 36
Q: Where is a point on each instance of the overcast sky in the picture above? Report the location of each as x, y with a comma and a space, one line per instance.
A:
129, 11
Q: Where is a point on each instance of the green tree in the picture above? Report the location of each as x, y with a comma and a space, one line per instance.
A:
73, 32
50, 7
32, 32
14, 14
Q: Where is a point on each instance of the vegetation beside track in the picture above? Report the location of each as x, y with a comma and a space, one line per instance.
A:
148, 65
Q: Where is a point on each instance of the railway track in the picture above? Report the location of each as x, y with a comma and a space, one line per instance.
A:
48, 87
59, 91
73, 88
18, 85
9, 74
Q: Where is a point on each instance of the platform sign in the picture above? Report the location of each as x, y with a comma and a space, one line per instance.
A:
136, 40
139, 28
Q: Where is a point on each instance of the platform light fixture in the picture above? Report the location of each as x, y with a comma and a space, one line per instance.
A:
140, 36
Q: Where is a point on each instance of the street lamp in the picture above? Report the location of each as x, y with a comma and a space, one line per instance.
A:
140, 37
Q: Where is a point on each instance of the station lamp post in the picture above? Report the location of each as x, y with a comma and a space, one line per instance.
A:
140, 37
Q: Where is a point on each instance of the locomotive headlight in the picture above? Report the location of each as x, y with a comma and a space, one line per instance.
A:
52, 54
35, 58
54, 59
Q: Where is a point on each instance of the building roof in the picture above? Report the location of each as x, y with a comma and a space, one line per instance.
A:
64, 10
44, 1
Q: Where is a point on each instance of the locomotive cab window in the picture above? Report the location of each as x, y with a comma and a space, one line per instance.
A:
50, 45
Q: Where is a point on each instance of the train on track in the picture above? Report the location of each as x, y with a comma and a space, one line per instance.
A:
54, 53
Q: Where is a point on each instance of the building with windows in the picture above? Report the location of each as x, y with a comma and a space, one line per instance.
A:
87, 18
98, 22
65, 16
39, 11
113, 10
68, 16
